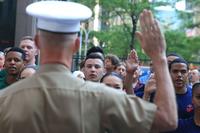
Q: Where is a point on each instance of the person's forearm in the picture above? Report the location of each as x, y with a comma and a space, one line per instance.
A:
128, 83
165, 95
146, 96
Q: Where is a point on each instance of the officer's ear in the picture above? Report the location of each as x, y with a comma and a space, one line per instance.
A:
77, 45
36, 39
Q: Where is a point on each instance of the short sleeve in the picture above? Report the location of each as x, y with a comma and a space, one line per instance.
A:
123, 113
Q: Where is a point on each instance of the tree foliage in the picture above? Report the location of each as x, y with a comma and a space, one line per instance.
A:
89, 3
127, 12
114, 40
187, 47
119, 38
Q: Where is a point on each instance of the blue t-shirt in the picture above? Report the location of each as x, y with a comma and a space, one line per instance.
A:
187, 126
144, 75
184, 103
139, 91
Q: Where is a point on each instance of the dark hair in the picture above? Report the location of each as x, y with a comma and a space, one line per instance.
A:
82, 63
113, 58
178, 60
17, 49
111, 74
195, 86
6, 50
121, 64
95, 49
174, 54
94, 56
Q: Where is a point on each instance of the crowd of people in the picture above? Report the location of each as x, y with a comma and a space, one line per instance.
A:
18, 62
105, 94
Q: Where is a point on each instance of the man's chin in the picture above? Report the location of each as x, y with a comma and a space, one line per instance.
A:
13, 73
180, 89
179, 85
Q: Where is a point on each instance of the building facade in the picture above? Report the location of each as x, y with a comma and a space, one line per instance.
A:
15, 23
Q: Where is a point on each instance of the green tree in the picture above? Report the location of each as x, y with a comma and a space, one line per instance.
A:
187, 47
117, 38
114, 40
127, 11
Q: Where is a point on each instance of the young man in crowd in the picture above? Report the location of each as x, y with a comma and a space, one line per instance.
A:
94, 67
179, 70
28, 45
111, 62
194, 76
14, 63
192, 124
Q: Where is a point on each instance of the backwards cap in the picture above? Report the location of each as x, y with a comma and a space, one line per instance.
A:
59, 16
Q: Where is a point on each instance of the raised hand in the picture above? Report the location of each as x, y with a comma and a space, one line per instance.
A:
153, 43
132, 62
151, 39
150, 87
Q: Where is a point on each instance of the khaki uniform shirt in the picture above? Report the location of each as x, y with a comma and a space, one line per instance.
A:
53, 101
